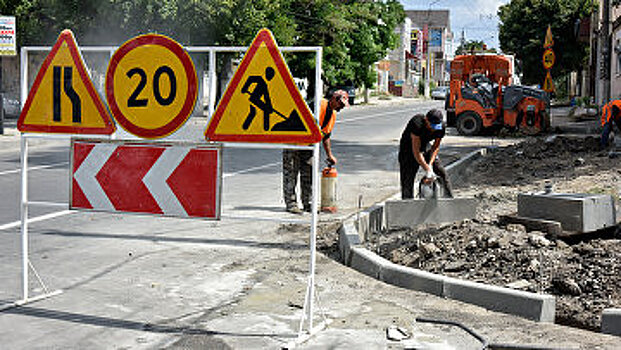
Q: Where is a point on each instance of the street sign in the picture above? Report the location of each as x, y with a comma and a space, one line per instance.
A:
549, 41
62, 98
548, 84
548, 59
7, 36
155, 178
262, 102
151, 86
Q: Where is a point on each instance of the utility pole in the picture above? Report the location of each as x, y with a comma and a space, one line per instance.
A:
605, 37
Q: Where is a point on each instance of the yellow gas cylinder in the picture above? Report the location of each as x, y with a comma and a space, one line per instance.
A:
328, 189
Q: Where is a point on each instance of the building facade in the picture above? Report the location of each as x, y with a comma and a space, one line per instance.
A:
425, 47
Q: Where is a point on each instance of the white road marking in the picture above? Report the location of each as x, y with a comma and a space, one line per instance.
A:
35, 219
250, 169
15, 171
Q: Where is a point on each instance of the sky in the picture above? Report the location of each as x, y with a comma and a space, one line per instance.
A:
477, 18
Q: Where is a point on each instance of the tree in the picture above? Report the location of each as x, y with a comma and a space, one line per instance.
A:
523, 28
472, 46
354, 33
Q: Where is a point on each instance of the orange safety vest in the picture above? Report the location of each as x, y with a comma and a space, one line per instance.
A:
326, 125
607, 110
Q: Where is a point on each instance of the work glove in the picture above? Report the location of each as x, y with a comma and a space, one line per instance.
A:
430, 174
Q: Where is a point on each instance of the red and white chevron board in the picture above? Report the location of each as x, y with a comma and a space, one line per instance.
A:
166, 179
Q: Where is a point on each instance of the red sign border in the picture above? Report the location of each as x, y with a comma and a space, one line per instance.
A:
264, 36
186, 109
109, 128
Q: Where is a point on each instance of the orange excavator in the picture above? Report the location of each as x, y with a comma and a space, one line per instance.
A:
482, 97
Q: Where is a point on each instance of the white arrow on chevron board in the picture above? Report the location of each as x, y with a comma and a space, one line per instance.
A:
85, 176
155, 180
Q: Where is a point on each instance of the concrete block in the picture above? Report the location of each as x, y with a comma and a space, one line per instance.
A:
407, 277
348, 237
533, 306
611, 321
367, 262
412, 212
579, 212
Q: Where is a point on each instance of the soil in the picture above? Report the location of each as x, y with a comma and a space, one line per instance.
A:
582, 272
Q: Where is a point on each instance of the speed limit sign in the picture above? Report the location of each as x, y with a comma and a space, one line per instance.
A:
548, 59
151, 86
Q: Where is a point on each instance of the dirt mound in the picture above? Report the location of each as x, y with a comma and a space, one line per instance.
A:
584, 275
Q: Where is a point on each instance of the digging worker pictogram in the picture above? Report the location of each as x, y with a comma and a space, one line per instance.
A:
611, 113
259, 98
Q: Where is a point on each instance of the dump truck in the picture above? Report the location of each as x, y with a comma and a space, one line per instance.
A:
482, 97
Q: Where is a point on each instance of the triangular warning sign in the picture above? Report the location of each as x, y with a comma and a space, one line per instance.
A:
62, 98
262, 102
549, 41
548, 84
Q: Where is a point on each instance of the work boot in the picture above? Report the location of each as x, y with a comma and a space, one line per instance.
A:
294, 209
307, 208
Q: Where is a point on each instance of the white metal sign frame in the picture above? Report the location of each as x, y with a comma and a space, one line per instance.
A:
308, 309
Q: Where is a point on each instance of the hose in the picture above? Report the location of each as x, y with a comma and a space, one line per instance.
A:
484, 344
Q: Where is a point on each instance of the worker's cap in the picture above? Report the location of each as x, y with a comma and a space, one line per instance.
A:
343, 96
434, 117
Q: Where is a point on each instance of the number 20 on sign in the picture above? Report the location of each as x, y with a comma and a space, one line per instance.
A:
151, 86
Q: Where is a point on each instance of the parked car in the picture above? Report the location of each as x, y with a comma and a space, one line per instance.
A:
439, 93
350, 89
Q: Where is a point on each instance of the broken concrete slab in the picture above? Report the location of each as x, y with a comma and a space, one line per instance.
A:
579, 212
531, 224
413, 212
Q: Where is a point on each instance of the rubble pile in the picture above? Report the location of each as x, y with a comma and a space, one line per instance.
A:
584, 274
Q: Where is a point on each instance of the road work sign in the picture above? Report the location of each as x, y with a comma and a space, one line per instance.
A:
155, 178
548, 84
62, 98
262, 102
151, 86
549, 41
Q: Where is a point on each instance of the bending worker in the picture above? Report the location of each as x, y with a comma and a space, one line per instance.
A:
414, 152
611, 113
296, 162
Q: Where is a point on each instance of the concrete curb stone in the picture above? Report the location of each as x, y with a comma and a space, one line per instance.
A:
538, 307
611, 321
533, 306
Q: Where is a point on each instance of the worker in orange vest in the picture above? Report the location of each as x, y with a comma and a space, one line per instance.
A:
296, 162
611, 113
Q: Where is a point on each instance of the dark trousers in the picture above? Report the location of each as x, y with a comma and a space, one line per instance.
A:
408, 169
606, 131
294, 163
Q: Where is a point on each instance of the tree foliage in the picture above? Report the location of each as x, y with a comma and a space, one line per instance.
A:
354, 33
523, 28
473, 46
